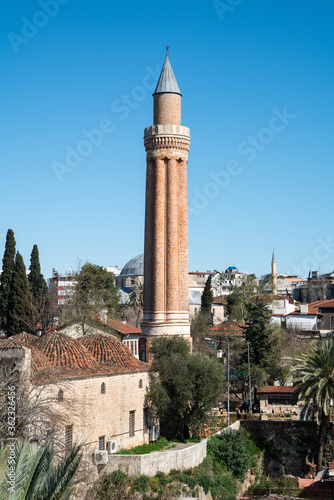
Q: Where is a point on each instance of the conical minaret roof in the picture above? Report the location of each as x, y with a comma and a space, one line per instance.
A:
167, 82
273, 261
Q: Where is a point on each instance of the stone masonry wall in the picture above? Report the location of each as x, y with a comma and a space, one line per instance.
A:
94, 414
165, 461
291, 444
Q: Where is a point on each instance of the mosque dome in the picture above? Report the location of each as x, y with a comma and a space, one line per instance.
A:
66, 352
106, 349
135, 266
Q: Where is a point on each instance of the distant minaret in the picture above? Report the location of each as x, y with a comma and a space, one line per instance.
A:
274, 274
167, 142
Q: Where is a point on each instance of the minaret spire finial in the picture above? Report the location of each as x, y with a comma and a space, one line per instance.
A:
167, 50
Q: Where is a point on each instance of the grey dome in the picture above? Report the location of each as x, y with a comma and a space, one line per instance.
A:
135, 266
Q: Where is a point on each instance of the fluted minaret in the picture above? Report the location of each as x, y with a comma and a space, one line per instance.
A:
274, 274
167, 142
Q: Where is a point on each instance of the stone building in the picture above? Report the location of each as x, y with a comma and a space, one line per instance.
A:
93, 385
167, 142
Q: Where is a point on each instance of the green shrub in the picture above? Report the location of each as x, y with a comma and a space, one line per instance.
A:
231, 448
205, 481
141, 484
163, 479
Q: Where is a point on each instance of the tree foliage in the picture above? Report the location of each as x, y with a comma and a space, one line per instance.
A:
231, 448
258, 332
20, 312
183, 386
95, 291
315, 378
200, 328
41, 299
36, 476
207, 297
6, 277
240, 297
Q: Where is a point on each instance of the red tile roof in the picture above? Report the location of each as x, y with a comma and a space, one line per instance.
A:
277, 389
122, 327
38, 360
23, 338
64, 351
56, 356
221, 299
228, 328
108, 350
118, 326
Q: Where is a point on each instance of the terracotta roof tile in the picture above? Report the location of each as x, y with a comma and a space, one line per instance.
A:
122, 327
64, 351
228, 328
38, 360
277, 389
220, 299
108, 350
56, 356
23, 338
118, 326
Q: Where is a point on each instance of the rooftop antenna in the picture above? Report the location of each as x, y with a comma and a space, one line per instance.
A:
167, 50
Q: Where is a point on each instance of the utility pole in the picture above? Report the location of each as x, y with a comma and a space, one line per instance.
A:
250, 382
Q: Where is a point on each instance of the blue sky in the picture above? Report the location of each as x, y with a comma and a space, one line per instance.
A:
257, 83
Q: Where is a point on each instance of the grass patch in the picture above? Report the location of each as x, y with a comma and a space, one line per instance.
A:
158, 445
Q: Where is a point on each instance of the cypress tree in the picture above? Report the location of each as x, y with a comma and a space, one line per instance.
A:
39, 289
259, 335
36, 279
20, 316
207, 297
6, 277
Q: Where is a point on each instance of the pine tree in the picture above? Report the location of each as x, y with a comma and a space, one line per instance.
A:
20, 316
207, 297
6, 277
39, 290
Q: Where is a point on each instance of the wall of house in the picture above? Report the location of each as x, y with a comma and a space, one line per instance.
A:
266, 406
94, 414
300, 322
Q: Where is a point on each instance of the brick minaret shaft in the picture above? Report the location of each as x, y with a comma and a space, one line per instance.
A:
166, 296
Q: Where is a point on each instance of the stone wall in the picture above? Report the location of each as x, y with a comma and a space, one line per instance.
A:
290, 444
164, 461
94, 414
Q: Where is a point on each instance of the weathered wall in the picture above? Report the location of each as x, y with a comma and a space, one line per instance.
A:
94, 414
289, 444
165, 461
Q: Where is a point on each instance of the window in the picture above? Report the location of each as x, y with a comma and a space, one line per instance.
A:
103, 388
60, 396
140, 384
102, 443
132, 423
145, 419
68, 437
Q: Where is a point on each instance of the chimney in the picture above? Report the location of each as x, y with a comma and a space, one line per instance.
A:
303, 308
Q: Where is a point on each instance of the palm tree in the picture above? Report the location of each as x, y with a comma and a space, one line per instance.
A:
35, 476
316, 380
